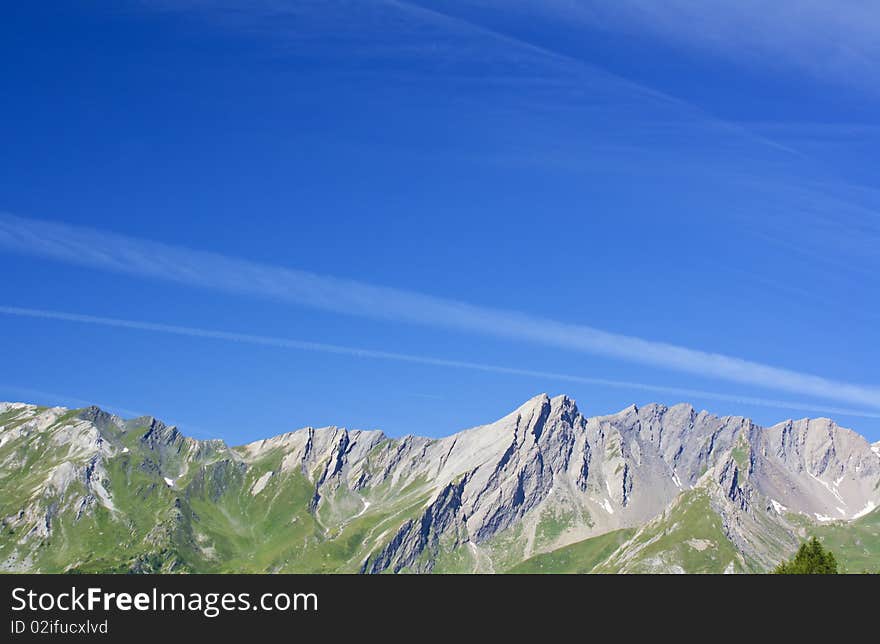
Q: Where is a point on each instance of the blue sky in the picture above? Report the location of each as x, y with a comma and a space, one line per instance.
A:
415, 216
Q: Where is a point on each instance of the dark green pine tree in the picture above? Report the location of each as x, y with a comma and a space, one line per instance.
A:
811, 559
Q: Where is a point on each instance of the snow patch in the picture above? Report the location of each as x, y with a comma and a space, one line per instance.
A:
675, 479
366, 507
125, 450
169, 482
780, 509
607, 506
865, 510
822, 517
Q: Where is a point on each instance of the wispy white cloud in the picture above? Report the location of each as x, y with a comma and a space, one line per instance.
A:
53, 398
141, 258
578, 70
40, 396
360, 34
286, 343
832, 41
458, 46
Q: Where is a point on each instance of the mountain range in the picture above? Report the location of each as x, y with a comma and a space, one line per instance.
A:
544, 489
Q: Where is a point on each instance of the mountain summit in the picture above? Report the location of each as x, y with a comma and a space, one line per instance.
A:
650, 489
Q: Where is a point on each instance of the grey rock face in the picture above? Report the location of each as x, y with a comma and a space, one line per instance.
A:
545, 471
603, 473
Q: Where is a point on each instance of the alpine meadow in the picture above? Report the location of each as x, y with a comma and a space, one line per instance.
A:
545, 489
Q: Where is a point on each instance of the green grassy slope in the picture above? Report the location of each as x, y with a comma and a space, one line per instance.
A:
856, 545
688, 537
213, 518
577, 558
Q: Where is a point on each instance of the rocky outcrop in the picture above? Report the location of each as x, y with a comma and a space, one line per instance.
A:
544, 473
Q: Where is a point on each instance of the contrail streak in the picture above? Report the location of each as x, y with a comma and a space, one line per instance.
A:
68, 400
286, 343
128, 255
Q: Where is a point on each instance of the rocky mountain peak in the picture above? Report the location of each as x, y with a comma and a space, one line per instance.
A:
158, 433
104, 421
531, 405
539, 478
